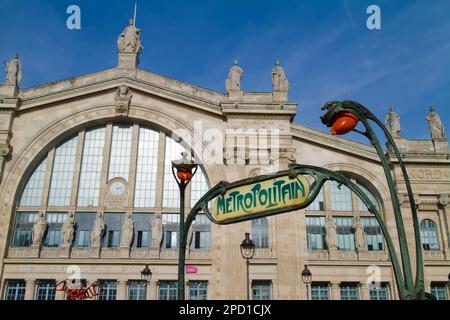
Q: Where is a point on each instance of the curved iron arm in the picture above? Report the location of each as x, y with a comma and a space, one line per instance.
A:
335, 107
320, 176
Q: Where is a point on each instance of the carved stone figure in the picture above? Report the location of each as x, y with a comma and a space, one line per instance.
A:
14, 71
330, 237
157, 231
279, 81
67, 230
233, 82
39, 229
97, 230
359, 235
435, 125
128, 40
122, 100
127, 232
392, 123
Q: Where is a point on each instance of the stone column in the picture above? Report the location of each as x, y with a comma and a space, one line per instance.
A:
335, 291
122, 289
444, 201
152, 293
364, 289
30, 289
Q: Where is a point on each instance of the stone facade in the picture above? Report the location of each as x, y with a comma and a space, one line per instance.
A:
32, 120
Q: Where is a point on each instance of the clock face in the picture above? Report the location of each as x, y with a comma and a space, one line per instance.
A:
117, 188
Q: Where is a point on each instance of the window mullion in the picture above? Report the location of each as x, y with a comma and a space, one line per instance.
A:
77, 169
105, 165
160, 170
48, 177
133, 164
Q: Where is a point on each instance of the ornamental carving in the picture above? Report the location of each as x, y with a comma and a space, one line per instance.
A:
122, 101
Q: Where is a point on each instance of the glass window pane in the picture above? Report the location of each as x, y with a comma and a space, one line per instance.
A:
62, 173
345, 235
32, 194
171, 192
373, 234
260, 233
341, 198
198, 290
319, 291
349, 291
428, 234
199, 186
319, 202
379, 293
107, 290
168, 290
113, 228
362, 206
45, 290
119, 162
439, 290
23, 229
83, 227
315, 233
137, 290
261, 290
15, 290
91, 167
145, 188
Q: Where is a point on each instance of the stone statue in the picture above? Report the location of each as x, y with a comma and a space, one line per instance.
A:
128, 40
330, 237
14, 71
67, 230
279, 81
39, 229
97, 230
122, 100
392, 123
233, 82
127, 232
157, 231
360, 240
435, 125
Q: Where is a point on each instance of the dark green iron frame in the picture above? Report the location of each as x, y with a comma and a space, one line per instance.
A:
407, 288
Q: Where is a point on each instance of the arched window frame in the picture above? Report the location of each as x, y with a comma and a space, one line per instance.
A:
429, 235
79, 154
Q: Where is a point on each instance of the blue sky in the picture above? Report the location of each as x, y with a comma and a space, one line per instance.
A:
324, 46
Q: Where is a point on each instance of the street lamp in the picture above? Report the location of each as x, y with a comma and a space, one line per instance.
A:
146, 274
343, 117
306, 278
183, 170
247, 252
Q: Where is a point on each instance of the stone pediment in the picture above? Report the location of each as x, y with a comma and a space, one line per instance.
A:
138, 80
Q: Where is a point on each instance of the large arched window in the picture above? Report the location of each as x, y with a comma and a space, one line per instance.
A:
428, 235
260, 233
114, 168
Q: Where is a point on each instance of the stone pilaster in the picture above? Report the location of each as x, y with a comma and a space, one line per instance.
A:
122, 289
444, 201
335, 289
152, 290
364, 290
30, 289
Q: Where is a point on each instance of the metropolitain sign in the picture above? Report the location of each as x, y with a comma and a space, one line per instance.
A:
260, 197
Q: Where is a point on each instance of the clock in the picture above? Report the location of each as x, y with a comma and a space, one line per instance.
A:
117, 188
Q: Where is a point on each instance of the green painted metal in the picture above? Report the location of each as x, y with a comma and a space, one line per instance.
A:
412, 290
408, 289
320, 176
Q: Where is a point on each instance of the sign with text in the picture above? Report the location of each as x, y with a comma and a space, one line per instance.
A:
256, 198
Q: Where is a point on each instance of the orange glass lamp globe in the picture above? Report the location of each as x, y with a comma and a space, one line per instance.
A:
184, 175
343, 123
